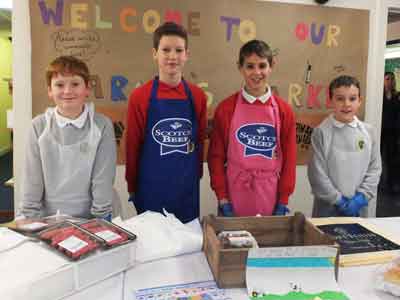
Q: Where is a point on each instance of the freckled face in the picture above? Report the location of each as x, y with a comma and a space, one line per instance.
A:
69, 93
346, 101
255, 71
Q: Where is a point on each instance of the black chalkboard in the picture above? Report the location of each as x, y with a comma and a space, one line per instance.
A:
355, 238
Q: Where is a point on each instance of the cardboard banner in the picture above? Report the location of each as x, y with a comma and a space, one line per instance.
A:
313, 44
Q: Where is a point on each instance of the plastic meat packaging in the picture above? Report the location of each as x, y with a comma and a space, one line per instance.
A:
112, 234
389, 277
30, 226
70, 240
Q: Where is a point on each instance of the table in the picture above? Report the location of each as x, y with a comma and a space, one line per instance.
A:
356, 282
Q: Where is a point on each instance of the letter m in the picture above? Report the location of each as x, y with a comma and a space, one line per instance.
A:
48, 13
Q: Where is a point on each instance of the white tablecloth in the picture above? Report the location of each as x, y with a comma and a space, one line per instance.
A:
357, 282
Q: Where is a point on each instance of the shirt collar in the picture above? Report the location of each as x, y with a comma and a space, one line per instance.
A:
251, 99
339, 124
78, 122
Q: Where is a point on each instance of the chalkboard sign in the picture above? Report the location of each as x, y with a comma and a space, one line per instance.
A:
354, 238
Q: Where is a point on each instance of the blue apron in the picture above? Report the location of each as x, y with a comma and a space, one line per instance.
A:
169, 161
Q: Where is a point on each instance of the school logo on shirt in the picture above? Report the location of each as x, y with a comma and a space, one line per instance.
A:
257, 139
360, 144
173, 135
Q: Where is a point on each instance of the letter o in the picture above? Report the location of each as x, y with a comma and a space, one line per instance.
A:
151, 20
301, 31
247, 30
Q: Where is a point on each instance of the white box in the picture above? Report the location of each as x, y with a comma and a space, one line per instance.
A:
104, 264
71, 277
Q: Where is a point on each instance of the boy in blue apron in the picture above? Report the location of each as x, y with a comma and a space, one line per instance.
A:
166, 125
71, 151
345, 166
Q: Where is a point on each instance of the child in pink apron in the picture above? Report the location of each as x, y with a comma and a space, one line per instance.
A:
252, 154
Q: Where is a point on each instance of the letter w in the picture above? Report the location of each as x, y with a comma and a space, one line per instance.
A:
49, 13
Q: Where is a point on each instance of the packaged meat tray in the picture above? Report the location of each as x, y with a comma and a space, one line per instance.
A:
70, 240
30, 226
112, 234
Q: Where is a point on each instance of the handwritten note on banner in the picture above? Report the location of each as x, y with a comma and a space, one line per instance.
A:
285, 273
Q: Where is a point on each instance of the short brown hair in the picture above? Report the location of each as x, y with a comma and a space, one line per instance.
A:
169, 28
343, 80
258, 47
67, 65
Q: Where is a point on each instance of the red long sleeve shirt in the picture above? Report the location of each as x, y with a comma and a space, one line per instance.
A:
137, 118
218, 150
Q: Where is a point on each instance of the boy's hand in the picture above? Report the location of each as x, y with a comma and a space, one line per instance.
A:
226, 209
342, 205
280, 210
357, 202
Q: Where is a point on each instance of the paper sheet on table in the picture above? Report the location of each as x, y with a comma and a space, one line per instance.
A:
305, 272
196, 290
10, 239
160, 236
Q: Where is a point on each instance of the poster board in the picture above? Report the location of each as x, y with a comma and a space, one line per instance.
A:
313, 44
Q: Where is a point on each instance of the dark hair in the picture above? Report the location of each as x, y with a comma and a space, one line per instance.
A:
67, 65
393, 79
343, 80
390, 73
258, 47
169, 28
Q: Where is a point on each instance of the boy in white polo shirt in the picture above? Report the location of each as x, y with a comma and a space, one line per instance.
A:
345, 166
71, 152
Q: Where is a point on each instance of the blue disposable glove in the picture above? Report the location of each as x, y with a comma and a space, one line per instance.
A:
342, 205
280, 210
357, 202
107, 217
226, 209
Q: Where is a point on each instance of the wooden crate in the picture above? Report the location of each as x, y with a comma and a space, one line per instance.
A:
228, 265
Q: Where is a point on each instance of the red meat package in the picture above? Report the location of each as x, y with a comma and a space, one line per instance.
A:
70, 240
112, 234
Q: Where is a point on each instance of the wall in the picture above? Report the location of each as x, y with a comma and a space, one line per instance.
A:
301, 200
393, 32
5, 98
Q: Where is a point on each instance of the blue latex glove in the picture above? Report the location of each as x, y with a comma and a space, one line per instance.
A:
342, 205
107, 217
226, 209
280, 210
357, 202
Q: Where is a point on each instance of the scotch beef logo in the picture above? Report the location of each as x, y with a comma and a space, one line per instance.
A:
257, 139
173, 135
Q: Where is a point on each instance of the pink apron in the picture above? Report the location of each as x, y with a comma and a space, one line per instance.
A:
254, 158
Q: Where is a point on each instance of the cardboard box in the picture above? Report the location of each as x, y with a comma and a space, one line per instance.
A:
229, 265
